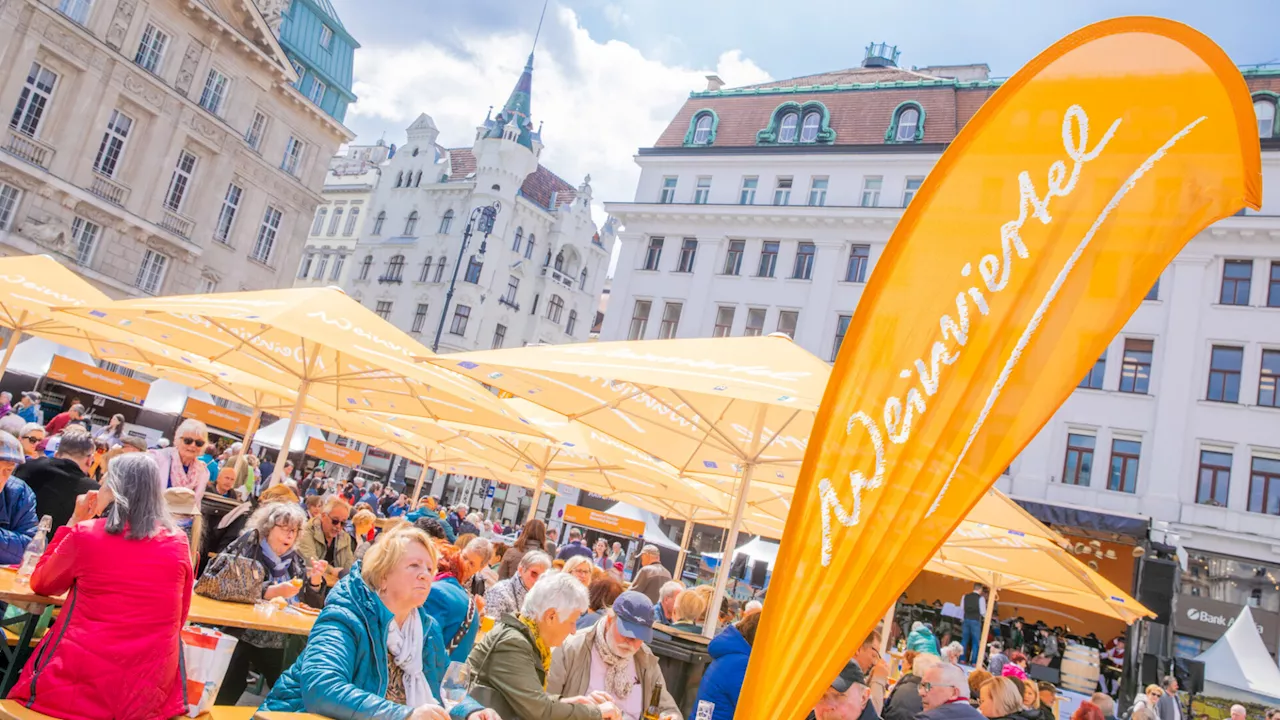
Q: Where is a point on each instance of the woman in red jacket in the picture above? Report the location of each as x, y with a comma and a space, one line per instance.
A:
114, 651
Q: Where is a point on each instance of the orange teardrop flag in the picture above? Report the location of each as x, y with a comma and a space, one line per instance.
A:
1032, 241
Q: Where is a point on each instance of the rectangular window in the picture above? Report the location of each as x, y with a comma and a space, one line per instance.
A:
208, 285
871, 190
151, 49
266, 241
1268, 376
1093, 379
1236, 278
733, 258
321, 265
768, 259
856, 269
215, 91
326, 37
257, 129
1215, 478
513, 287
670, 320
461, 314
748, 194
724, 321
1264, 486
803, 269
34, 100
227, 215
1124, 466
1225, 364
571, 323
338, 262
304, 267
818, 192
910, 189
84, 235
782, 192
688, 252
1273, 286
383, 309
292, 162
151, 272
180, 182
317, 91
702, 192
755, 322
653, 255
112, 145
77, 10
668, 194
1078, 465
298, 70
474, 267
9, 196
639, 320
419, 317
842, 328
787, 321
1154, 292
499, 336
1135, 369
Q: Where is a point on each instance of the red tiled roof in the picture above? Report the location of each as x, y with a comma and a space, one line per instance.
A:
847, 77
537, 187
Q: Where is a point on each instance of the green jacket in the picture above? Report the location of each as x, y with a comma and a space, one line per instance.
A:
507, 661
312, 545
571, 670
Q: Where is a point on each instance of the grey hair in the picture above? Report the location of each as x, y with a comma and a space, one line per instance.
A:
76, 443
191, 426
28, 427
674, 587
480, 548
953, 677
13, 424
1104, 703
1234, 708
476, 519
276, 513
537, 558
951, 653
557, 591
77, 409
752, 606
923, 662
333, 501
138, 509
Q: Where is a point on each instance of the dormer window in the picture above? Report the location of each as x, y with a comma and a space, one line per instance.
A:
702, 130
326, 37
809, 131
793, 123
1264, 108
787, 131
907, 124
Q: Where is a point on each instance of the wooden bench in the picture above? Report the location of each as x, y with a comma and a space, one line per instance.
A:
13, 710
11, 639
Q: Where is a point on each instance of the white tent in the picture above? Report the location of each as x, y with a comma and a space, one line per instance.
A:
272, 435
757, 550
171, 398
653, 534
33, 356
1238, 666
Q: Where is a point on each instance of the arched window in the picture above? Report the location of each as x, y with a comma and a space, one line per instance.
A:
528, 248
440, 268
425, 275
417, 180
1265, 111
351, 221
365, 266
400, 178
702, 130
546, 262
446, 222
395, 268
554, 308
582, 280
560, 261
787, 133
377, 222
411, 224
318, 225
335, 221
570, 326
809, 131
907, 124
515, 242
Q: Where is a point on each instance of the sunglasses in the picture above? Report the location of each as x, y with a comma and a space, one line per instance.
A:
193, 441
32, 439
336, 520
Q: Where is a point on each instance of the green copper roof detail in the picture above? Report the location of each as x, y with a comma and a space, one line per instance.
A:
517, 108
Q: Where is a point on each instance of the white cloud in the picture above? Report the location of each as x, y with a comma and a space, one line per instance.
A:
592, 123
616, 15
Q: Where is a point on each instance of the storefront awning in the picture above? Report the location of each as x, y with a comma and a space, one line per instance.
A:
1090, 524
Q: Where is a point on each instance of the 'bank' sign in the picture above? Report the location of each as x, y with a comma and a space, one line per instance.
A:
1208, 619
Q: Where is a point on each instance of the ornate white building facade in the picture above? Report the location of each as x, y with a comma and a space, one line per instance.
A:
336, 227
164, 147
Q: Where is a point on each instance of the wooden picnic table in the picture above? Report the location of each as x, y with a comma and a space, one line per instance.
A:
11, 710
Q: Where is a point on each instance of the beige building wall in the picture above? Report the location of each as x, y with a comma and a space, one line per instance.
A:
219, 92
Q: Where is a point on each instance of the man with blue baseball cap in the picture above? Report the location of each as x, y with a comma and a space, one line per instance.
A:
18, 520
611, 658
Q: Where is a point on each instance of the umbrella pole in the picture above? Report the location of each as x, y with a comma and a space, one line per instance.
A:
417, 487
537, 495
14, 339
726, 560
887, 628
986, 621
254, 418
283, 457
684, 547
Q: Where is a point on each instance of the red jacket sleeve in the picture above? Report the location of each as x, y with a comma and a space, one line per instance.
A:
55, 570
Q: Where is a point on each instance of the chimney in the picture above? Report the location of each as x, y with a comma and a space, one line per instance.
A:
714, 83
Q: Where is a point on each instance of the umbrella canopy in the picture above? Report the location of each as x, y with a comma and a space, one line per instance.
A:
33, 356
30, 287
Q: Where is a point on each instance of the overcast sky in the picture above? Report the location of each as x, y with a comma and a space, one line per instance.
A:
609, 74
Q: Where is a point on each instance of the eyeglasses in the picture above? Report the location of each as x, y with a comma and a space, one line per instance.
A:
336, 520
32, 439
193, 441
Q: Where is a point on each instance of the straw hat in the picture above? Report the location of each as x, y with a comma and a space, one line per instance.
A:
181, 501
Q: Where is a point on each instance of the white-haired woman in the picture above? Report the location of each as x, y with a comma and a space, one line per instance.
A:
123, 626
264, 555
375, 652
952, 653
511, 663
179, 466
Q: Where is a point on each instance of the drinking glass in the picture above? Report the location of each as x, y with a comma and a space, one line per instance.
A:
454, 686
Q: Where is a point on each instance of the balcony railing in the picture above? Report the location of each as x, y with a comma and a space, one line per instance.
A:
109, 190
28, 149
509, 303
559, 277
176, 224
390, 280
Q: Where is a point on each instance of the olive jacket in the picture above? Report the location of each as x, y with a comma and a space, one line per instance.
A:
506, 660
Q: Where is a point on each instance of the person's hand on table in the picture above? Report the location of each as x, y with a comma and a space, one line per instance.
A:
669, 716
600, 697
284, 590
578, 700
609, 711
485, 714
331, 574
429, 712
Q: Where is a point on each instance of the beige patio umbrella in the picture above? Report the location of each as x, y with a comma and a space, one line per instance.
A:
31, 286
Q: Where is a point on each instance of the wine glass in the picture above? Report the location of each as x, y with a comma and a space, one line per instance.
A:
454, 686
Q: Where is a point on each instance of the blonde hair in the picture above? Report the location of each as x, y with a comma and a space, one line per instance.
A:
277, 494
572, 563
1159, 691
384, 555
363, 519
1006, 699
691, 605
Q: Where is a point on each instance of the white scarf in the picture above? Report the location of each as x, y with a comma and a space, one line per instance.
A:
405, 645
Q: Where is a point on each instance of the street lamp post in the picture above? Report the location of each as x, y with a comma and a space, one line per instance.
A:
482, 219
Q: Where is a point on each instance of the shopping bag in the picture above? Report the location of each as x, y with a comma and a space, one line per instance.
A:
206, 653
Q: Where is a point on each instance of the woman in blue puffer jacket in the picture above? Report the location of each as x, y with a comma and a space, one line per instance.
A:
722, 682
922, 639
374, 653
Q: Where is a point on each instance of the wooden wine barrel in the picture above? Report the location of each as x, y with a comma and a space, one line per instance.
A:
1080, 669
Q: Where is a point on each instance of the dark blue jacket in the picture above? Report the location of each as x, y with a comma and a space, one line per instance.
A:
448, 603
959, 710
722, 682
342, 673
574, 549
18, 521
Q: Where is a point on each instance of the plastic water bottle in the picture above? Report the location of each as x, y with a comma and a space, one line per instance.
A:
35, 549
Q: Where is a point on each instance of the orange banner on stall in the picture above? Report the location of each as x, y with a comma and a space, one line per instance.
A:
215, 416
578, 515
329, 452
1030, 244
97, 380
